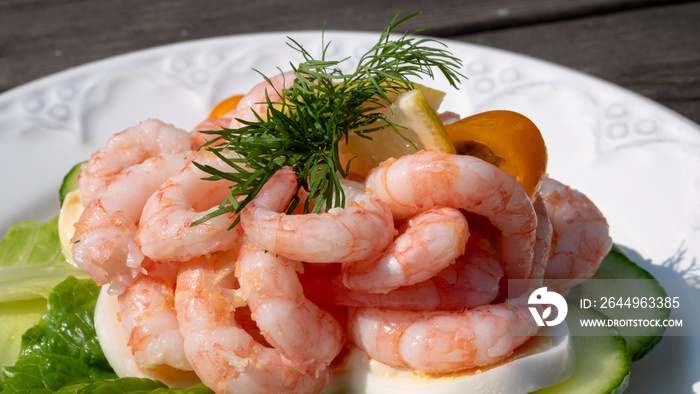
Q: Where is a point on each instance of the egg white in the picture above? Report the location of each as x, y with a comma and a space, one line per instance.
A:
114, 343
544, 361
548, 360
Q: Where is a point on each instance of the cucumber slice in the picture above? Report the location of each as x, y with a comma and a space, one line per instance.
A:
70, 182
616, 265
602, 363
611, 280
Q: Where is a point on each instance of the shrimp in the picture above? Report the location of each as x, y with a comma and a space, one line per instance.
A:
543, 243
580, 239
433, 240
254, 103
104, 243
127, 148
223, 354
197, 135
426, 179
147, 310
471, 281
360, 230
304, 334
165, 228
441, 341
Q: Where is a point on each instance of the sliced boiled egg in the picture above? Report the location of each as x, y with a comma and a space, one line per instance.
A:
71, 209
113, 341
543, 361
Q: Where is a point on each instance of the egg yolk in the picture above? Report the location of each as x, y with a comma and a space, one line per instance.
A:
225, 106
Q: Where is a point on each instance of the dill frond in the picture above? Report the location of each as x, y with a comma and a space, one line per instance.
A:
318, 111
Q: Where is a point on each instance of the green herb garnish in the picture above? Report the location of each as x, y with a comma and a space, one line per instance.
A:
317, 112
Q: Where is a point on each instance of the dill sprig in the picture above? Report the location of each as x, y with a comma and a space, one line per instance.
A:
316, 113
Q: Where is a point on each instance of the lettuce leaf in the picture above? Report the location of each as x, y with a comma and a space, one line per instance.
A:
62, 353
32, 262
131, 385
15, 318
62, 349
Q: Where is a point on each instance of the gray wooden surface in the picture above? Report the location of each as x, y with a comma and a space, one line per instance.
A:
651, 47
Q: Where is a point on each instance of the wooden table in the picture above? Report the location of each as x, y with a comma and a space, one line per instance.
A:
651, 47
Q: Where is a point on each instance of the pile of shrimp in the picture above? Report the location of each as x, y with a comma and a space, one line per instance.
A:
411, 270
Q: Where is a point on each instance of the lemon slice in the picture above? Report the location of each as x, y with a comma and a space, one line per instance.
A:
420, 129
434, 97
423, 126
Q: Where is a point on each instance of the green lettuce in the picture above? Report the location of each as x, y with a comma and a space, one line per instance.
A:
62, 349
32, 261
15, 318
31, 264
62, 353
131, 385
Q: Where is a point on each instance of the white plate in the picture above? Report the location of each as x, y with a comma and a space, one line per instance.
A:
637, 160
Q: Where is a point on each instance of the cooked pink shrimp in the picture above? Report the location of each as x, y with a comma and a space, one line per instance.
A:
448, 117
147, 310
165, 228
255, 101
198, 138
543, 243
104, 244
224, 355
360, 230
427, 179
471, 281
127, 148
580, 240
433, 240
305, 335
441, 341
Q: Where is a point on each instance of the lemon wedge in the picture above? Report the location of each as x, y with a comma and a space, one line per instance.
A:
423, 126
432, 96
419, 128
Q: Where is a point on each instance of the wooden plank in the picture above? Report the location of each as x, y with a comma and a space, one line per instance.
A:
40, 37
638, 44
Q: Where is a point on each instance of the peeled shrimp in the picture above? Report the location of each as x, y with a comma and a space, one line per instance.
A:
223, 354
147, 311
427, 179
441, 341
433, 240
104, 243
360, 230
305, 335
471, 281
198, 138
165, 229
255, 101
580, 239
127, 148
543, 236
